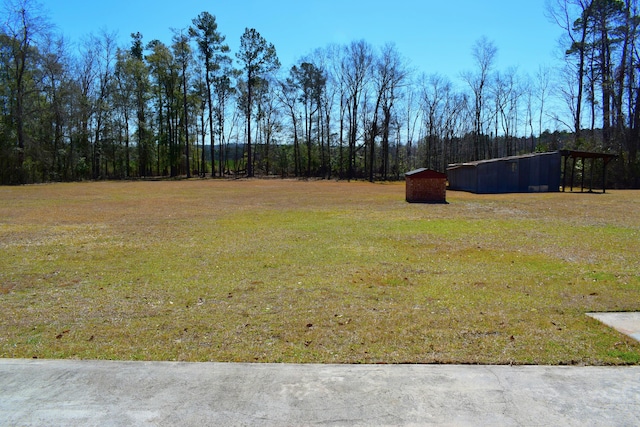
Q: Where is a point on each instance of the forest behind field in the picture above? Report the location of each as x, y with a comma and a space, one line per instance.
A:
190, 106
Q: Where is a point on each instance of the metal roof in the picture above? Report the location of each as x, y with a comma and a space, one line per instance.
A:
499, 159
430, 173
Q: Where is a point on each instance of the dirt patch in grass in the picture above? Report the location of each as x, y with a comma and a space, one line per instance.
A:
329, 272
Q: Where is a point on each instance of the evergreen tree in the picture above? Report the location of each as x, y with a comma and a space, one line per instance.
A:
258, 58
213, 54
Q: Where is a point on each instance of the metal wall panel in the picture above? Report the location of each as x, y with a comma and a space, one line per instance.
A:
518, 174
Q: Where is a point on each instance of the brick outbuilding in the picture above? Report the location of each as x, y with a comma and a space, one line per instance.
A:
426, 186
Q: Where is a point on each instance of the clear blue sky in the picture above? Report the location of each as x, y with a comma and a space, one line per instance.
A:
435, 36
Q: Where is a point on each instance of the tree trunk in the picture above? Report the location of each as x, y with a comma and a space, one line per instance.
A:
249, 100
186, 116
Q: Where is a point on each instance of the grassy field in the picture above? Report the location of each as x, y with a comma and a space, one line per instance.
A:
329, 272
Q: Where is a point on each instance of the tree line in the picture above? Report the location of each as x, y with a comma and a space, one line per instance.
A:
602, 90
191, 107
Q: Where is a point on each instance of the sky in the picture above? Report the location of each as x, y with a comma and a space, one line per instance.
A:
434, 36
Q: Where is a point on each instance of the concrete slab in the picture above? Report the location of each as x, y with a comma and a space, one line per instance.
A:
625, 322
101, 393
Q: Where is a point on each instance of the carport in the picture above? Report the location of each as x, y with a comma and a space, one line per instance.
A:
583, 156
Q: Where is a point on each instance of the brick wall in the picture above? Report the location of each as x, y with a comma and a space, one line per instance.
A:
427, 190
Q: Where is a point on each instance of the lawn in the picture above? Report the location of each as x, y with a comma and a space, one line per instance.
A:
322, 272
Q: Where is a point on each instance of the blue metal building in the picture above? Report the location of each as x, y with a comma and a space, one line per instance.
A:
539, 172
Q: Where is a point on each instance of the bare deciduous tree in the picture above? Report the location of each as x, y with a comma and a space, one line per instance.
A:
484, 53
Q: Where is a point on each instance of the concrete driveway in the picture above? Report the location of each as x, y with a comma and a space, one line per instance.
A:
103, 393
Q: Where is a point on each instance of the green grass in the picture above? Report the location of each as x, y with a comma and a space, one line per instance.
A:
289, 271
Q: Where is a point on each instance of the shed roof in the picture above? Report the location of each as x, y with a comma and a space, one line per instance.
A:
426, 173
499, 159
